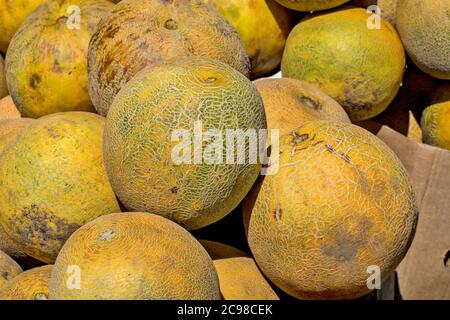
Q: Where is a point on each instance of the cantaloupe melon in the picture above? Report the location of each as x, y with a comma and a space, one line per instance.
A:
217, 250
151, 155
311, 5
12, 15
436, 125
142, 33
424, 27
3, 86
8, 109
29, 285
46, 63
133, 256
360, 68
240, 279
52, 181
289, 103
340, 207
264, 26
8, 269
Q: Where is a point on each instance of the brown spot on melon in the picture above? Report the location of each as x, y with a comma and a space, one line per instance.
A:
8, 269
29, 285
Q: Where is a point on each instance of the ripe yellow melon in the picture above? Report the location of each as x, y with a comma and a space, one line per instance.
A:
134, 256
12, 14
217, 250
360, 68
3, 86
340, 203
264, 26
424, 27
46, 63
311, 5
8, 109
240, 279
143, 33
8, 269
52, 181
289, 103
29, 285
436, 125
150, 135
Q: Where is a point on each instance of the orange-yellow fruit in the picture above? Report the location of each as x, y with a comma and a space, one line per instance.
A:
52, 181
311, 5
289, 103
424, 27
134, 256
12, 15
46, 63
360, 68
436, 125
3, 86
263, 25
140, 33
8, 109
240, 279
153, 128
217, 250
29, 285
8, 269
340, 203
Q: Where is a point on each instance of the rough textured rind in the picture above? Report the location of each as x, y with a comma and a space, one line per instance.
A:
3, 87
135, 256
264, 26
29, 285
46, 62
424, 27
341, 202
217, 250
8, 269
436, 125
139, 33
311, 5
360, 68
12, 14
158, 105
290, 103
240, 279
52, 181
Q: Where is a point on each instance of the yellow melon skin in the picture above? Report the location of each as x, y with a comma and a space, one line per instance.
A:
140, 33
29, 285
52, 181
3, 86
311, 5
8, 269
46, 63
217, 250
144, 129
290, 103
240, 279
424, 27
360, 68
341, 202
12, 14
436, 125
8, 109
134, 256
264, 26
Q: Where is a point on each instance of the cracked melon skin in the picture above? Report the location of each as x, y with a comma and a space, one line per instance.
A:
341, 202
240, 279
32, 284
425, 32
46, 63
12, 15
135, 256
159, 104
52, 181
311, 5
140, 33
290, 103
264, 26
436, 125
8, 269
361, 69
